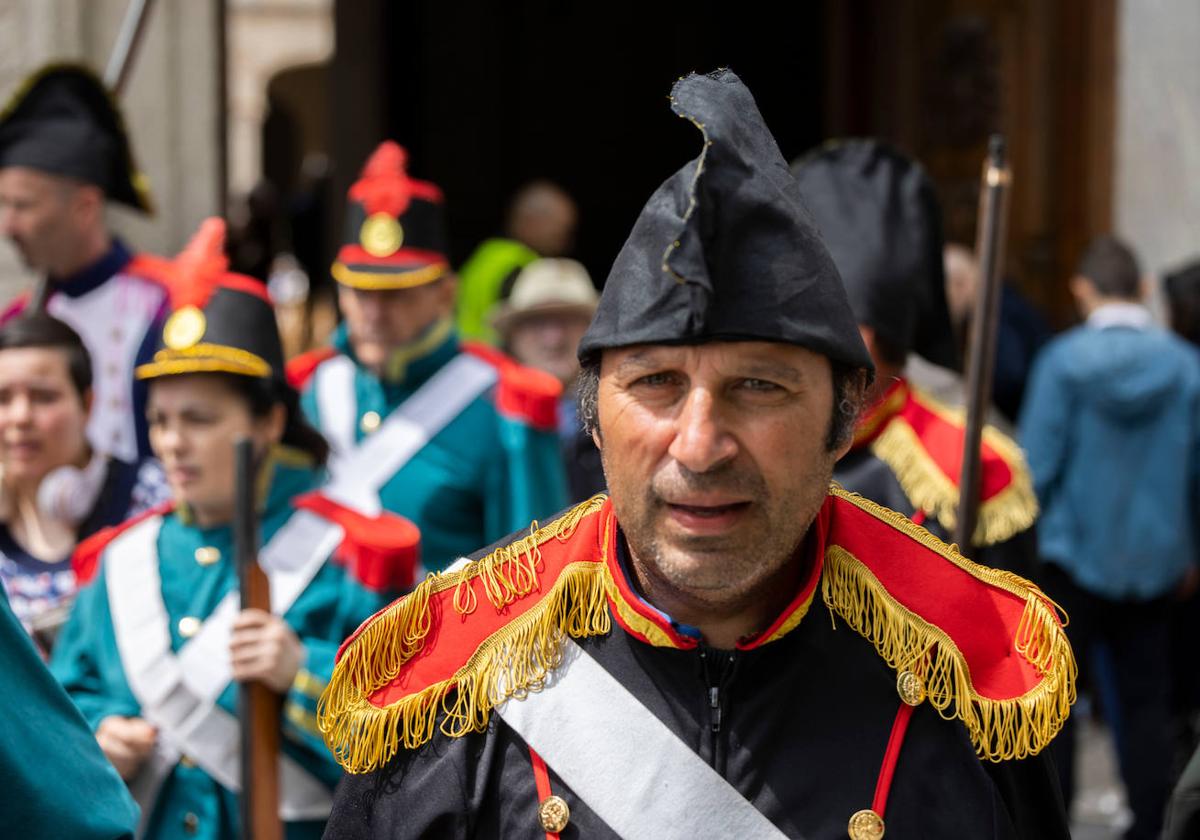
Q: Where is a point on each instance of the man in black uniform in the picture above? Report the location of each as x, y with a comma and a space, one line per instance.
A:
878, 214
647, 665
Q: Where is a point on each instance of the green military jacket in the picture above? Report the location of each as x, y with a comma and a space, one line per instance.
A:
492, 469
197, 571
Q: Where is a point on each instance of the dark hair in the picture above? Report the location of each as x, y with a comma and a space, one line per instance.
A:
36, 329
1111, 267
263, 394
1182, 287
849, 389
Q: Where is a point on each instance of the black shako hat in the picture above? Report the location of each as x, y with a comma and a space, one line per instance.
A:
220, 322
878, 213
724, 250
63, 121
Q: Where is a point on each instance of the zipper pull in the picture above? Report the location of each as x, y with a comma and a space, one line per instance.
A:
714, 703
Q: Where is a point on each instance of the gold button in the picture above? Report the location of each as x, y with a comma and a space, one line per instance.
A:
207, 555
191, 823
865, 825
370, 422
188, 625
186, 761
911, 688
553, 813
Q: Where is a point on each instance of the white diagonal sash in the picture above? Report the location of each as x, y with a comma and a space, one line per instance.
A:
178, 692
631, 770
334, 390
360, 472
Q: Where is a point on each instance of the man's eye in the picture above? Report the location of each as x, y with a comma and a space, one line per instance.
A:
655, 379
761, 385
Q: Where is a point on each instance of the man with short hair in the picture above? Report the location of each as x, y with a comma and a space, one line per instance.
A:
458, 438
660, 664
64, 153
1111, 428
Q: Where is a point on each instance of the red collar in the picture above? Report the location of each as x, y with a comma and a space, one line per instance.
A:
653, 627
875, 419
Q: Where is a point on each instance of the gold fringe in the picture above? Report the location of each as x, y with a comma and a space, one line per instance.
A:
999, 729
1006, 514
515, 660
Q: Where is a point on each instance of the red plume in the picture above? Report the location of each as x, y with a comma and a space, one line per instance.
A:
384, 185
200, 267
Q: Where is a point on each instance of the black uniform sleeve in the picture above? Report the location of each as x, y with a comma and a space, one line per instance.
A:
1029, 790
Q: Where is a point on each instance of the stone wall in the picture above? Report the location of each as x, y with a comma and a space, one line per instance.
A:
1156, 200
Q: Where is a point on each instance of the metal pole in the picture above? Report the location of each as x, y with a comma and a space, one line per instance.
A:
129, 38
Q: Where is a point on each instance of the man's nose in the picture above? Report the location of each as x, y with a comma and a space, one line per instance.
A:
702, 437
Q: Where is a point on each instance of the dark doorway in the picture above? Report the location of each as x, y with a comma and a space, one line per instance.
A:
486, 99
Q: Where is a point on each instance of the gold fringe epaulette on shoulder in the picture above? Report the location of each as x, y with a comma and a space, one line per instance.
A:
444, 656
988, 645
926, 466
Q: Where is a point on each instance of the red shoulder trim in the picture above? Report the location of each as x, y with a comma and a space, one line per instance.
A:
380, 552
523, 393
300, 369
85, 560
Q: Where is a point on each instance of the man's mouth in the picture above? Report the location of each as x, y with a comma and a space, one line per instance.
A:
707, 517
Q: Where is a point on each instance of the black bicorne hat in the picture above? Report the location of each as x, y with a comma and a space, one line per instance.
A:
878, 214
63, 121
220, 322
724, 249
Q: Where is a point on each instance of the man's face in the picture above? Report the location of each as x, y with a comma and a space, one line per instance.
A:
381, 322
548, 342
38, 214
716, 460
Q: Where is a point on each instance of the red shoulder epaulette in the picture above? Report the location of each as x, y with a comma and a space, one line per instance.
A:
523, 393
150, 267
85, 560
300, 369
442, 655
380, 552
922, 441
985, 646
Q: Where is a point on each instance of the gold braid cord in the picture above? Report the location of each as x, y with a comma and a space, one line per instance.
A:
511, 662
1000, 729
1011, 511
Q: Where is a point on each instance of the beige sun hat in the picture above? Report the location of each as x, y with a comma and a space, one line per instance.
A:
545, 287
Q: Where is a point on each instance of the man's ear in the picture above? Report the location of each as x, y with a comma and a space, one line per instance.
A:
449, 289
596, 439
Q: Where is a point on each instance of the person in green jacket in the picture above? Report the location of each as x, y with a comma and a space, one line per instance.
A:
50, 764
158, 642
456, 437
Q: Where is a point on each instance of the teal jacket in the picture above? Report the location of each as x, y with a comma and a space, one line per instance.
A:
55, 780
489, 472
87, 662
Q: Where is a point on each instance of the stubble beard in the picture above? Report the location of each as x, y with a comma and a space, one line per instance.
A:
719, 574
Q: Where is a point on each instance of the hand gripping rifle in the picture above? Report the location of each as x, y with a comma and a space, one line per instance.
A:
989, 250
258, 705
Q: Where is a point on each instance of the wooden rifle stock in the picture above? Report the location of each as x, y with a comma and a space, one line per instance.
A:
258, 705
989, 251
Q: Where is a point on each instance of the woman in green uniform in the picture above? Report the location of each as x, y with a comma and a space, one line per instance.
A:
158, 642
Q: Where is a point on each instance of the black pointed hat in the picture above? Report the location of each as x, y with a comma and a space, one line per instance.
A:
220, 322
63, 121
724, 249
878, 213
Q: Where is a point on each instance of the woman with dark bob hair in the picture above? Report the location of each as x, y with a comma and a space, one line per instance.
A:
55, 488
157, 643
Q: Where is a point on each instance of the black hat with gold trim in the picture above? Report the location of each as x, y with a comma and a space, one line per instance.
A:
63, 121
220, 322
395, 231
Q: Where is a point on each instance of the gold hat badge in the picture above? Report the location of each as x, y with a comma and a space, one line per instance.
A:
184, 328
381, 235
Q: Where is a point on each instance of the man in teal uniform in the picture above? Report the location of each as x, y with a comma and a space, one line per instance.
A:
158, 642
459, 439
56, 782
